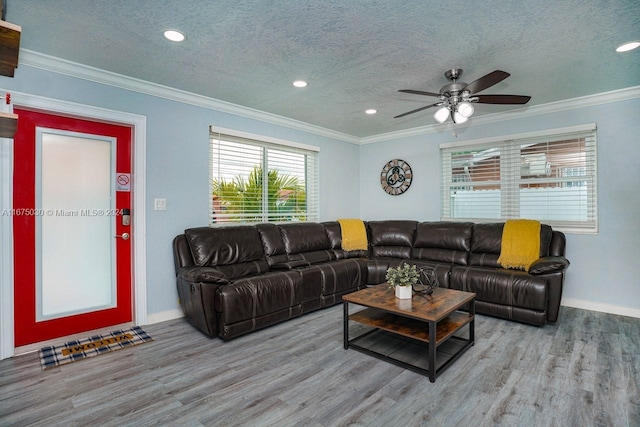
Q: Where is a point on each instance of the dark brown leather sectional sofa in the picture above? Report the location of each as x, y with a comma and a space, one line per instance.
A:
234, 280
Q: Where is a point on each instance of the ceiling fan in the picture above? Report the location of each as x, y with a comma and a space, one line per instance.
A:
456, 98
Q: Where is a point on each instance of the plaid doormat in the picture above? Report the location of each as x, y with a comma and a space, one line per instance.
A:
77, 350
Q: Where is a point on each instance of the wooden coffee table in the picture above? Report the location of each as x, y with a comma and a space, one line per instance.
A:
402, 329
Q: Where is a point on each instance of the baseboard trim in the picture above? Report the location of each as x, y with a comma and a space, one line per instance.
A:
603, 308
164, 316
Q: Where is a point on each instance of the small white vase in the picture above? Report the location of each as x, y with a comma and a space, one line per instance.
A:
403, 292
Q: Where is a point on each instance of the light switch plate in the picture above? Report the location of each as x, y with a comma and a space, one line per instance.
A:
160, 204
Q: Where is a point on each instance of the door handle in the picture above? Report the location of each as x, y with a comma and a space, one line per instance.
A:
123, 236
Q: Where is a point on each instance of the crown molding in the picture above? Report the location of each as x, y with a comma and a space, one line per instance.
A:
536, 110
85, 72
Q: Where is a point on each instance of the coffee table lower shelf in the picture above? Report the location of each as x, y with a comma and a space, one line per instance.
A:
406, 342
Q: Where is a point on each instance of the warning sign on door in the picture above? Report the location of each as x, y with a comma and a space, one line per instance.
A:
123, 182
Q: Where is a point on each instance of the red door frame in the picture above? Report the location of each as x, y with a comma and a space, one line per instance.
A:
26, 329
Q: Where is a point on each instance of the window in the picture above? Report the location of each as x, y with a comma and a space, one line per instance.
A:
259, 179
549, 176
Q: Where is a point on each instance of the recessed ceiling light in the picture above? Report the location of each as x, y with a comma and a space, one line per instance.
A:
627, 47
371, 111
300, 83
174, 35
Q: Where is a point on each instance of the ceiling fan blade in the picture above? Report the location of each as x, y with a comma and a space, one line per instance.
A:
419, 92
418, 109
502, 99
487, 81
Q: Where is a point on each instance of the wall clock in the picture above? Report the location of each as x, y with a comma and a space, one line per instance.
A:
395, 177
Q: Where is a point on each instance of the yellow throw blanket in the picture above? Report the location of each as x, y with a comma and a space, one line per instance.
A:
520, 243
354, 234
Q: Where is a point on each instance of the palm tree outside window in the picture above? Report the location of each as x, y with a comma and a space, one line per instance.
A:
255, 181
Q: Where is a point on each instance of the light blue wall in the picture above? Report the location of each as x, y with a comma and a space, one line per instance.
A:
603, 268
177, 163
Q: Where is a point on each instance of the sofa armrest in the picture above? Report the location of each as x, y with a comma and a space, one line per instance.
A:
290, 265
202, 274
197, 289
548, 264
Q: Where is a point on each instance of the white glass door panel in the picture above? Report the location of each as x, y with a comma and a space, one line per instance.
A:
75, 205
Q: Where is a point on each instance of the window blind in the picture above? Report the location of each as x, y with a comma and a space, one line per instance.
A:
257, 180
549, 176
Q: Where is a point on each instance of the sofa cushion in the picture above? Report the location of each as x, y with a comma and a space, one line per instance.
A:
377, 268
402, 252
304, 237
315, 257
442, 270
443, 242
444, 235
499, 286
334, 233
224, 246
271, 239
391, 238
558, 243
290, 265
391, 233
340, 275
257, 296
272, 243
546, 235
244, 269
440, 255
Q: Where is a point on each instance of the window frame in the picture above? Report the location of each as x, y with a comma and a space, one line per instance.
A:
266, 144
511, 154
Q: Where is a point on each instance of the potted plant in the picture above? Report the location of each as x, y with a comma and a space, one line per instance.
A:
402, 279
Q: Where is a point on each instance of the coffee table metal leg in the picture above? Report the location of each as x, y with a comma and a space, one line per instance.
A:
472, 324
346, 324
432, 351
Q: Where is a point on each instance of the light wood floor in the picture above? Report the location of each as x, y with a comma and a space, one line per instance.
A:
583, 371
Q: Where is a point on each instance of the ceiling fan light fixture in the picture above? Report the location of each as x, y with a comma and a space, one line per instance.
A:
465, 109
441, 115
456, 97
459, 118
626, 47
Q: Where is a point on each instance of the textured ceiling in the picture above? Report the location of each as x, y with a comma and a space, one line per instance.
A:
355, 54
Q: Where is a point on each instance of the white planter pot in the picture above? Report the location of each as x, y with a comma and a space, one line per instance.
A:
403, 292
